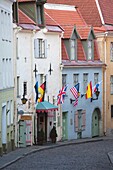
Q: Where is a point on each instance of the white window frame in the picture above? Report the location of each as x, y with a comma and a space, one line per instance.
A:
96, 78
111, 84
85, 81
64, 78
90, 49
111, 51
73, 49
75, 79
40, 48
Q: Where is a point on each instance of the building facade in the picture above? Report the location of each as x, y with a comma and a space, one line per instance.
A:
6, 78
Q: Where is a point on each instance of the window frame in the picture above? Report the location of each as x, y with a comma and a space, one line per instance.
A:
73, 49
75, 79
111, 51
112, 111
64, 79
90, 49
85, 81
111, 84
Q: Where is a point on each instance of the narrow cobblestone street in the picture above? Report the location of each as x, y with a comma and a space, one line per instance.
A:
85, 156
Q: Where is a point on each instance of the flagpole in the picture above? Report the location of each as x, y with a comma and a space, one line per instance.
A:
35, 116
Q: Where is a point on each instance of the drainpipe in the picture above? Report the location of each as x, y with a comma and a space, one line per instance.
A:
105, 109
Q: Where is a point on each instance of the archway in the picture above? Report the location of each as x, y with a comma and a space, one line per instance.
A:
96, 116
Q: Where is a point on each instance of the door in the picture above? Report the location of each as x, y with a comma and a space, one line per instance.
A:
64, 126
95, 124
22, 133
28, 132
42, 124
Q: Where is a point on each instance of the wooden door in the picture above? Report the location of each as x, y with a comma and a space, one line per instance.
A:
28, 132
95, 124
22, 133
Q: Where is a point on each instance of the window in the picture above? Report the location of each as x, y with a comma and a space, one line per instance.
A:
89, 49
96, 78
58, 121
73, 49
40, 13
25, 88
111, 84
15, 13
111, 51
111, 111
75, 79
41, 78
80, 120
85, 81
40, 48
64, 79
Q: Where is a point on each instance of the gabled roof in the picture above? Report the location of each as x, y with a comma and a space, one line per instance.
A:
91, 10
25, 22
106, 7
65, 16
24, 19
87, 8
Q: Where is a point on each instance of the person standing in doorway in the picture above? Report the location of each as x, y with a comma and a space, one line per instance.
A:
53, 134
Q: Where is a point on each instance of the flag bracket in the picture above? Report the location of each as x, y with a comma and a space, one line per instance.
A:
97, 95
71, 101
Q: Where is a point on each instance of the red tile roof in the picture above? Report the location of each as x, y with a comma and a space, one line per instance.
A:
83, 32
64, 52
87, 8
66, 19
49, 20
80, 51
107, 10
24, 19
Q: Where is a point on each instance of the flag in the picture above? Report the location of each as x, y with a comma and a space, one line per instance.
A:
75, 92
36, 91
61, 95
89, 90
41, 91
94, 89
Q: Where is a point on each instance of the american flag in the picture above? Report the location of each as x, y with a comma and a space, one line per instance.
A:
61, 95
75, 91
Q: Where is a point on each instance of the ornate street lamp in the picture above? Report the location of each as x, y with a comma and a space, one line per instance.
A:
24, 100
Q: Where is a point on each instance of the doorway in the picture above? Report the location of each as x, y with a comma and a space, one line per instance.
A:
95, 122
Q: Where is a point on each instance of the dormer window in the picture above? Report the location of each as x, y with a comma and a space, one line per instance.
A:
40, 14
90, 50
73, 49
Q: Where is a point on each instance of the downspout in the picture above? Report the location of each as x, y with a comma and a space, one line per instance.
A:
105, 109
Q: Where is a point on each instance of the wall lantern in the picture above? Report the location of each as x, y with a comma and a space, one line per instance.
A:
71, 101
97, 95
24, 100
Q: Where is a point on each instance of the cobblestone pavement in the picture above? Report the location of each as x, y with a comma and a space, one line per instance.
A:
20, 153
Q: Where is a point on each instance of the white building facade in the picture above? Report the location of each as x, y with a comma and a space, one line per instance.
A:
6, 77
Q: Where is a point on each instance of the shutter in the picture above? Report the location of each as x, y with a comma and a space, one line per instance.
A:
76, 121
83, 119
36, 48
45, 48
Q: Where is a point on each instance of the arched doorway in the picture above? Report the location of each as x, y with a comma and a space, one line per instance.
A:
95, 122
